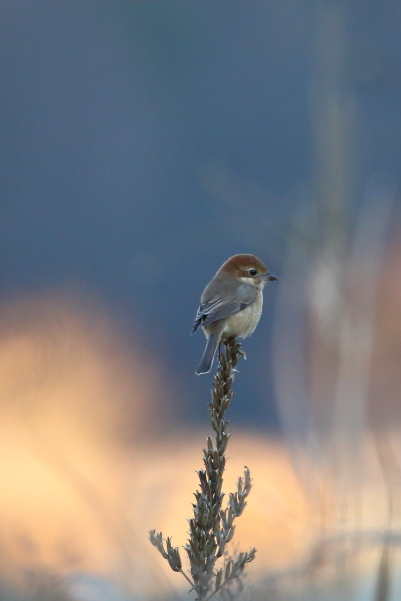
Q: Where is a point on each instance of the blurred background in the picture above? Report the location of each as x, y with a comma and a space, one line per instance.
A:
143, 142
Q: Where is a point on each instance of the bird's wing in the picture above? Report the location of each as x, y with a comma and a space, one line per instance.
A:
218, 308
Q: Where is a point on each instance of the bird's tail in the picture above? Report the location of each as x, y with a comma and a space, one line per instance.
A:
208, 356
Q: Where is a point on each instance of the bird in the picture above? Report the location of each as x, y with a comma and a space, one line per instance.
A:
231, 304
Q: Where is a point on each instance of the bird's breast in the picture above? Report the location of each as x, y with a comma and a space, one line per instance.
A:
242, 324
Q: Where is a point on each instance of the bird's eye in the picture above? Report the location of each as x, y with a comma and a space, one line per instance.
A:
252, 272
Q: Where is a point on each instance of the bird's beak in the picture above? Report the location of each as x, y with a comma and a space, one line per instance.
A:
270, 277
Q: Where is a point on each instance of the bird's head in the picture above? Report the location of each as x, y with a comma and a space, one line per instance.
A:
248, 269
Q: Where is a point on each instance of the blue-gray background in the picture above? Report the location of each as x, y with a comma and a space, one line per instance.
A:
143, 142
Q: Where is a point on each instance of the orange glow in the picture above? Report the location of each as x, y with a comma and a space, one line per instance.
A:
82, 481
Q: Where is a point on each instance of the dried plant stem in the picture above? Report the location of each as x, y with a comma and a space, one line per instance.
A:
187, 578
212, 527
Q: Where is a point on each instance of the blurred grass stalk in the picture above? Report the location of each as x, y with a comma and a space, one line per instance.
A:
326, 307
212, 527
